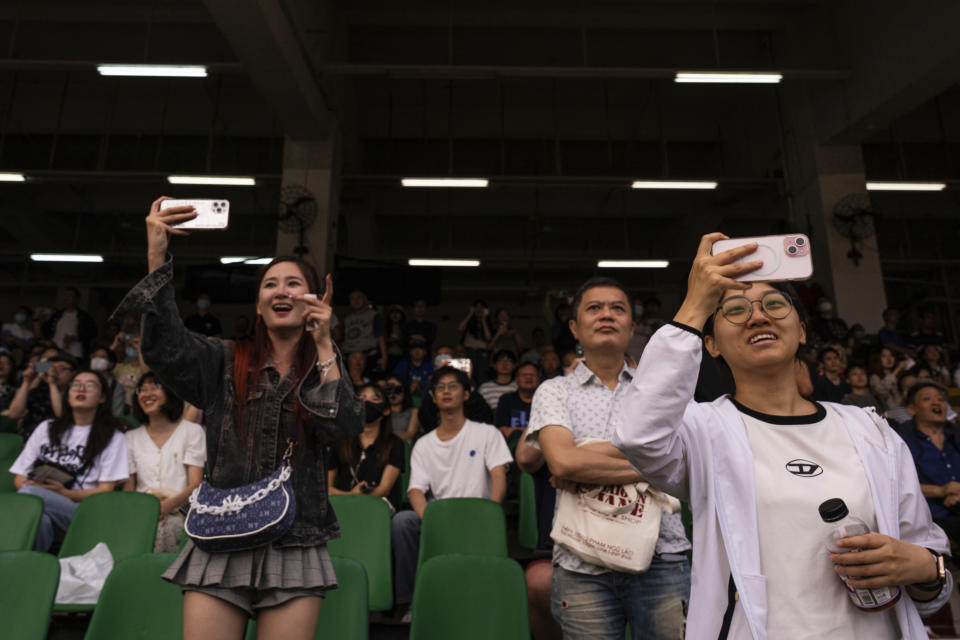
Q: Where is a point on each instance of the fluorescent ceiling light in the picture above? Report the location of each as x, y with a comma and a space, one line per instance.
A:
674, 184
11, 177
906, 186
228, 181
633, 264
420, 262
244, 260
153, 70
65, 257
732, 77
444, 182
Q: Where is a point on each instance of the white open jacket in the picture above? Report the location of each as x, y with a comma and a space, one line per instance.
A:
699, 452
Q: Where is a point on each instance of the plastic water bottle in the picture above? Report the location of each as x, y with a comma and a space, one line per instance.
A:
843, 525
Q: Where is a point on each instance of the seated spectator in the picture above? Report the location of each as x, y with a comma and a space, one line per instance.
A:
558, 319
927, 333
371, 462
860, 395
104, 361
415, 370
504, 364
460, 459
363, 332
935, 448
166, 456
826, 327
40, 395
505, 337
885, 368
933, 357
84, 443
538, 344
900, 413
857, 344
550, 364
394, 331
356, 367
420, 325
830, 386
204, 322
402, 412
513, 410
427, 416
71, 328
889, 335
18, 335
8, 380
130, 366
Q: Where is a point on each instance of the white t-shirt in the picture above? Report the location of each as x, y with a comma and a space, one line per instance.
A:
459, 467
68, 325
163, 470
799, 462
109, 466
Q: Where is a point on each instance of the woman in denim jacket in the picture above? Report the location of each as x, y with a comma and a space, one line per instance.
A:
295, 382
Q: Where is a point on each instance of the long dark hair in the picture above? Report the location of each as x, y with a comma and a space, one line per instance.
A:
172, 407
249, 355
385, 441
105, 424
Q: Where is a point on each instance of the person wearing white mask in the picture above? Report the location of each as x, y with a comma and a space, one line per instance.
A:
103, 361
18, 334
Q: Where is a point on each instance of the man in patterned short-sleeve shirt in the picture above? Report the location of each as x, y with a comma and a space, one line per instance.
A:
589, 600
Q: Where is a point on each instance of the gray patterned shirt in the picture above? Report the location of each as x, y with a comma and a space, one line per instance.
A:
582, 403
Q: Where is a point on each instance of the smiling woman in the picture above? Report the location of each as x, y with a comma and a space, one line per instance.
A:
276, 400
756, 467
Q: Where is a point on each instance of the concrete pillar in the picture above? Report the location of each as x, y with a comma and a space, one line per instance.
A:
311, 165
818, 177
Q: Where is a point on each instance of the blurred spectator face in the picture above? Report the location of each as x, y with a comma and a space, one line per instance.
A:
62, 372
85, 391
824, 307
441, 356
563, 313
906, 382
101, 358
418, 350
550, 362
449, 394
151, 397
891, 318
831, 362
70, 298
37, 350
931, 354
358, 300
459, 351
651, 307
419, 309
6, 366
356, 362
393, 389
528, 378
887, 359
604, 319
929, 320
538, 337
242, 326
568, 359
857, 377
22, 315
504, 366
503, 317
923, 373
203, 302
928, 405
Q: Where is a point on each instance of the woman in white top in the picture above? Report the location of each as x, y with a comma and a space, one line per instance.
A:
885, 371
166, 456
756, 466
72, 457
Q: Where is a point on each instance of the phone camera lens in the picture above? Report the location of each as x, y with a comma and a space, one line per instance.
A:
791, 249
799, 242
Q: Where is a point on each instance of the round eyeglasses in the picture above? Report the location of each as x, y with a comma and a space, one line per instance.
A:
739, 309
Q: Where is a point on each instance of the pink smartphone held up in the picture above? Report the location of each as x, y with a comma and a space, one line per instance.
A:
211, 214
785, 257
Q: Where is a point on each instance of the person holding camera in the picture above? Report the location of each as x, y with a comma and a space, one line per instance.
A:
371, 462
40, 396
271, 405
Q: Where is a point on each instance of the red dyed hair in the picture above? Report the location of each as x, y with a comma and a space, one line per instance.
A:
250, 355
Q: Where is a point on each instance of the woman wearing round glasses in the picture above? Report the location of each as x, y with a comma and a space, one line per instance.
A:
166, 456
70, 458
756, 466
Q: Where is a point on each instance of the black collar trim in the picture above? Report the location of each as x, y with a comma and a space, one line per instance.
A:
811, 418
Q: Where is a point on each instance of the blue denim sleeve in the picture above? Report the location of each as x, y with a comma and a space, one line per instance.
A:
192, 365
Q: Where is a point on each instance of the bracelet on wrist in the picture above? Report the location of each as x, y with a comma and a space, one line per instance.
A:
326, 364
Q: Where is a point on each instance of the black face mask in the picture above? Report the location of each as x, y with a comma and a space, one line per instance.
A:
373, 411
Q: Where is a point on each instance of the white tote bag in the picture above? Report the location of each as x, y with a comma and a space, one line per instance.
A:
614, 526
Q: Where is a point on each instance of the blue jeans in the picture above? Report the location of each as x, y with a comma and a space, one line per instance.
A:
405, 538
57, 512
597, 607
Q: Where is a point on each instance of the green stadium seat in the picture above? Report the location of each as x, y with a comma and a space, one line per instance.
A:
21, 517
29, 585
11, 444
462, 525
365, 525
527, 523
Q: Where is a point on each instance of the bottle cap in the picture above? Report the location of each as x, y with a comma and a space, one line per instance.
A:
833, 509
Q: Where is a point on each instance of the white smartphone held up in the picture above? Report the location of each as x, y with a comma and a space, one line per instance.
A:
313, 324
211, 214
785, 257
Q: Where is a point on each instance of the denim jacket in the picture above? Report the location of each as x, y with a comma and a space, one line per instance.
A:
200, 370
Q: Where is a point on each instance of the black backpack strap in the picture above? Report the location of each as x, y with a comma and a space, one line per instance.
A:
731, 605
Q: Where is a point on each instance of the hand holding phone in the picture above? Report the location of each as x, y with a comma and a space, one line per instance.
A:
211, 214
313, 324
785, 257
